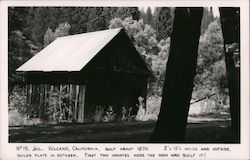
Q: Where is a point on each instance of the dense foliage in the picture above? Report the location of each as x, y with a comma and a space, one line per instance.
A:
20, 50
211, 70
61, 30
21, 112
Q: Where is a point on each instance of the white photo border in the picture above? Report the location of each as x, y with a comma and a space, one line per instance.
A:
238, 151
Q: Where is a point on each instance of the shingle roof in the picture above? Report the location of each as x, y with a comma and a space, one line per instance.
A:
70, 53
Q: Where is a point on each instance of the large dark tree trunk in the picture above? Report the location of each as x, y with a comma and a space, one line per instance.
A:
230, 22
180, 72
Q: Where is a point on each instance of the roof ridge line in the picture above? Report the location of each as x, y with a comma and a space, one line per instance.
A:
93, 32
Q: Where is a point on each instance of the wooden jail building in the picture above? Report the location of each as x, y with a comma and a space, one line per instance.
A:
75, 74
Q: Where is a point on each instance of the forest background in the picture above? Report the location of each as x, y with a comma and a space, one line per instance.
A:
33, 28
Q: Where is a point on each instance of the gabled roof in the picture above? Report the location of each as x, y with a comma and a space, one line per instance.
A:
70, 53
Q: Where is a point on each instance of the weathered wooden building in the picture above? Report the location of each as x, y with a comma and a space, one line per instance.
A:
75, 74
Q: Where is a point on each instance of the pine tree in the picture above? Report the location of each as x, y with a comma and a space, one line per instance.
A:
206, 19
211, 14
163, 22
16, 18
39, 19
96, 19
123, 12
77, 17
37, 24
149, 17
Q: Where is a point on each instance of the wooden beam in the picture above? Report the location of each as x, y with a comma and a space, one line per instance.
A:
41, 101
81, 103
30, 93
76, 102
70, 100
60, 98
46, 100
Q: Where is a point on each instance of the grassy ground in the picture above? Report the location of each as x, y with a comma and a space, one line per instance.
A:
199, 130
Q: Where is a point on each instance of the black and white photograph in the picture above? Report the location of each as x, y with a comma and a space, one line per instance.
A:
113, 74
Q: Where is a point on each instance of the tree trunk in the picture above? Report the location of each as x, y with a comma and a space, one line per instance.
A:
180, 72
230, 23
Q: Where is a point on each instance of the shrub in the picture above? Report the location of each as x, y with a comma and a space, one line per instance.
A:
58, 107
124, 113
20, 112
18, 119
110, 115
207, 107
17, 100
98, 114
151, 110
153, 107
141, 111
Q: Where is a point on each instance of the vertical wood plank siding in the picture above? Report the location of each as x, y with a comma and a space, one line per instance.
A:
81, 103
76, 102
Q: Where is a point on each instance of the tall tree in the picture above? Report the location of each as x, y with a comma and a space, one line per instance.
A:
207, 18
230, 21
149, 17
180, 72
163, 22
16, 18
211, 13
77, 17
123, 12
37, 24
96, 19
39, 19
81, 19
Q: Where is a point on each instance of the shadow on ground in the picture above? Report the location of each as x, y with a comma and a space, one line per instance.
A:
198, 131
